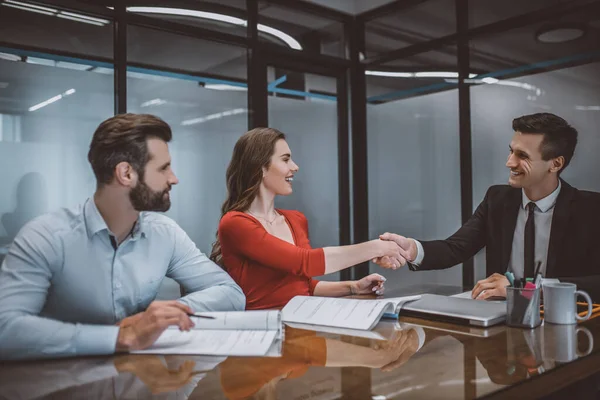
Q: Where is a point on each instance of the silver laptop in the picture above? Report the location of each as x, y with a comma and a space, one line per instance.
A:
457, 310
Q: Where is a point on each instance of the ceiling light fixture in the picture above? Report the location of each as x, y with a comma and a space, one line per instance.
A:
10, 57
284, 37
51, 100
55, 13
25, 8
227, 113
421, 74
153, 102
560, 33
587, 108
224, 86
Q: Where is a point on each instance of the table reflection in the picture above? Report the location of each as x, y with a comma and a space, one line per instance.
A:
396, 360
257, 377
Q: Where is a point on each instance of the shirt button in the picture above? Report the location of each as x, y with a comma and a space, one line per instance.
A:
118, 286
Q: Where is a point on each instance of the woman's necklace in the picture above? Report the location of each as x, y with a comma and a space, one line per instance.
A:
263, 218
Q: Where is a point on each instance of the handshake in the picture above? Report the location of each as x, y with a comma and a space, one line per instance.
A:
394, 250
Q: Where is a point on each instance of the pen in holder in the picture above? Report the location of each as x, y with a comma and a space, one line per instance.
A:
523, 307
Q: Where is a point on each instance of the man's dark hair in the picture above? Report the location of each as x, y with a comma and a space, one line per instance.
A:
560, 138
124, 138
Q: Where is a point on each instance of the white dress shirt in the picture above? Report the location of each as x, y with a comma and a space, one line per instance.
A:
542, 215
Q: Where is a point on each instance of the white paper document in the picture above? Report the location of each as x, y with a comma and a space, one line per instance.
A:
241, 333
341, 312
241, 320
213, 342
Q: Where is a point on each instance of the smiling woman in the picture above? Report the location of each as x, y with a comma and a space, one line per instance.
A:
265, 249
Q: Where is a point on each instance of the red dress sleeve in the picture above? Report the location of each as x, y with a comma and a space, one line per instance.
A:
246, 237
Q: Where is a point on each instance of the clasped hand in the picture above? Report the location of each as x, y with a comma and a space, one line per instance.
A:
396, 256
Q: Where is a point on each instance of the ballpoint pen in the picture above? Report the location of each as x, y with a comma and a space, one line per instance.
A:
201, 316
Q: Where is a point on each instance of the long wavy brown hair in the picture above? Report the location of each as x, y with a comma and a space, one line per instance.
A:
252, 153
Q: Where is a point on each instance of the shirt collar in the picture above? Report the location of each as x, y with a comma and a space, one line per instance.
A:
546, 203
95, 223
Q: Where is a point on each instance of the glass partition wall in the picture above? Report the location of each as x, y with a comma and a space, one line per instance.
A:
400, 115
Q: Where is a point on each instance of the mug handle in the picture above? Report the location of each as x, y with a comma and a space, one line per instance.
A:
589, 301
590, 341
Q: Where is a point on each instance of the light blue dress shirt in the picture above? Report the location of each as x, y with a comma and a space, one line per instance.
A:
63, 286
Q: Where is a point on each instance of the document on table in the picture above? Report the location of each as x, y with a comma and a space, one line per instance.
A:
239, 333
341, 312
241, 320
212, 342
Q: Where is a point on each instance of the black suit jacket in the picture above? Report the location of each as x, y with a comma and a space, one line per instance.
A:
573, 251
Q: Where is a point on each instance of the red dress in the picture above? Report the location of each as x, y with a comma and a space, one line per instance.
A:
269, 270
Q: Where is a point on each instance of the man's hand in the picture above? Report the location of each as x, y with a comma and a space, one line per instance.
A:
407, 246
493, 286
141, 330
151, 370
368, 285
390, 254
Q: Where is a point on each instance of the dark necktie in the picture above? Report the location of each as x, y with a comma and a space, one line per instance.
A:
529, 242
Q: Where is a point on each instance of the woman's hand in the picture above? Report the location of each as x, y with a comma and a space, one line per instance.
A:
368, 285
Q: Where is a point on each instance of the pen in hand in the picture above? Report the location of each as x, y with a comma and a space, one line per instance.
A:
200, 316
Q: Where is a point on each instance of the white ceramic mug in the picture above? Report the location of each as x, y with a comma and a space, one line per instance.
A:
560, 303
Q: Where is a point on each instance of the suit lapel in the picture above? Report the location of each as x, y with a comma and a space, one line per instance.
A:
560, 219
509, 221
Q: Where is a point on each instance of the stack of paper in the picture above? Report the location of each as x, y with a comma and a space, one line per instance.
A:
341, 312
240, 333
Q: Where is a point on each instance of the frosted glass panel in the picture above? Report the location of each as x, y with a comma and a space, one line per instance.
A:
572, 93
311, 129
414, 176
206, 124
44, 145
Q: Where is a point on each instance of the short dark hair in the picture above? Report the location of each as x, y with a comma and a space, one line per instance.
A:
124, 138
560, 138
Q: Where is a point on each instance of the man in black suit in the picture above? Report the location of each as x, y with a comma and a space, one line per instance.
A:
537, 219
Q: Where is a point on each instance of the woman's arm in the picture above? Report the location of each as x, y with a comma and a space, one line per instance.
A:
240, 234
341, 257
370, 284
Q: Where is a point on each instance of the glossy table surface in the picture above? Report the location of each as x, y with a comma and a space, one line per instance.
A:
454, 362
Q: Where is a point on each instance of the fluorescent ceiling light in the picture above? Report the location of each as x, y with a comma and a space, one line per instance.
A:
227, 113
560, 34
153, 102
51, 100
102, 21
54, 12
423, 74
85, 21
284, 37
287, 39
587, 108
489, 80
10, 57
224, 86
391, 74
27, 5
28, 9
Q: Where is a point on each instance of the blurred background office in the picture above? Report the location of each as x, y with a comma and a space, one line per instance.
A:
398, 112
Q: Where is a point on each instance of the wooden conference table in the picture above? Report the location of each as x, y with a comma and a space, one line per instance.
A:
455, 362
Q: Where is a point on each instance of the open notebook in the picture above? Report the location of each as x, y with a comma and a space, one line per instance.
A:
341, 312
237, 333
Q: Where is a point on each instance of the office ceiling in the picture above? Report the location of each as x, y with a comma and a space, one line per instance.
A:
427, 20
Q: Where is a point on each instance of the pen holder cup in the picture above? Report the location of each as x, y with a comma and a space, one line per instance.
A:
523, 307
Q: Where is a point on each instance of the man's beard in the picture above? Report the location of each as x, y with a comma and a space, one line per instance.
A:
145, 199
